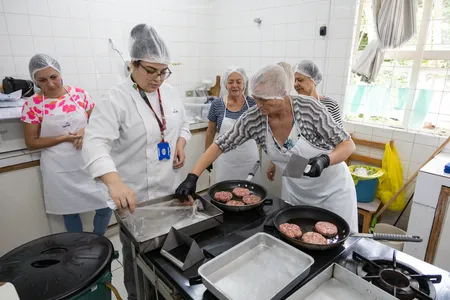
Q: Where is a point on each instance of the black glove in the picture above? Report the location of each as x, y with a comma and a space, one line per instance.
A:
318, 164
209, 168
187, 187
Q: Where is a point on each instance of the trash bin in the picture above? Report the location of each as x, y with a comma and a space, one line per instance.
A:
74, 266
386, 228
366, 181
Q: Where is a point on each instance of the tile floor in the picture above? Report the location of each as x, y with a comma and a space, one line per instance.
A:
117, 268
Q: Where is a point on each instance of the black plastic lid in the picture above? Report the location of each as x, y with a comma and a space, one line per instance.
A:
57, 266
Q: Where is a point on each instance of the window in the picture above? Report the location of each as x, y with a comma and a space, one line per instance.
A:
412, 90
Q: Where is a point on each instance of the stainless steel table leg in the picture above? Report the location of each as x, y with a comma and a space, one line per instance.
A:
138, 276
150, 274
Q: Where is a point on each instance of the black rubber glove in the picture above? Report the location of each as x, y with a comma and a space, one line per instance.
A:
318, 164
187, 187
209, 168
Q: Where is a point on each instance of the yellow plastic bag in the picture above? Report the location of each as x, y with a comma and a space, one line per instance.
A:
392, 180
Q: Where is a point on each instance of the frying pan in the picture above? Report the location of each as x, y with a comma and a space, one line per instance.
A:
229, 185
307, 216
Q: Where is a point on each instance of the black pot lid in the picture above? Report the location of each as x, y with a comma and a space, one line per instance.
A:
57, 266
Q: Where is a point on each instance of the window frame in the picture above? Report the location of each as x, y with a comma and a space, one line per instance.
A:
417, 56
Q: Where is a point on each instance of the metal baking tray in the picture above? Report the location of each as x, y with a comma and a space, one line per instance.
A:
261, 267
339, 283
215, 218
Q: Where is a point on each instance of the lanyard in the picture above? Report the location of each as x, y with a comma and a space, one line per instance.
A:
161, 123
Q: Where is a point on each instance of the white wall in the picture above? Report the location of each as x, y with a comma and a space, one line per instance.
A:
76, 32
289, 32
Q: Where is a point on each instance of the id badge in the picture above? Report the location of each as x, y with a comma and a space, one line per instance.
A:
163, 151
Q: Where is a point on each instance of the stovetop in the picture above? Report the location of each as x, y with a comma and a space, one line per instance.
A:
375, 262
238, 227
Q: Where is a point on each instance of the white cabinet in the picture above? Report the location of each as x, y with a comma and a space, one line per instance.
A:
429, 216
22, 213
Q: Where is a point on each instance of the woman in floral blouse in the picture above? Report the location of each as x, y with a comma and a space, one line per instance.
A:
54, 121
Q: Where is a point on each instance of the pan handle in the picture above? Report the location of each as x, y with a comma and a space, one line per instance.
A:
194, 280
253, 171
396, 237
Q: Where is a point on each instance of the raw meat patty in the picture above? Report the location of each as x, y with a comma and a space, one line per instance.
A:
235, 203
241, 192
314, 238
326, 229
223, 196
251, 199
190, 201
291, 230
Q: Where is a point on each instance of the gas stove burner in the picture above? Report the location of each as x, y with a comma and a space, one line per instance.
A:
398, 279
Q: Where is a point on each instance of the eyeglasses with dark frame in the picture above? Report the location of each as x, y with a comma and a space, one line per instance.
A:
153, 73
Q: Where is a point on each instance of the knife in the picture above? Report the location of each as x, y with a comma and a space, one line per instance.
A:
295, 166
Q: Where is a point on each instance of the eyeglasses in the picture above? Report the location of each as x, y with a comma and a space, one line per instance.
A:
153, 73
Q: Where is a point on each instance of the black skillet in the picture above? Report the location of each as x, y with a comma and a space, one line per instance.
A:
307, 216
229, 185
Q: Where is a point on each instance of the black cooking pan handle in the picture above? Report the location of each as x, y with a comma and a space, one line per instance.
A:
194, 280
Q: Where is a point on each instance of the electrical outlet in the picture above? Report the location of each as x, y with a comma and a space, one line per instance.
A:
189, 93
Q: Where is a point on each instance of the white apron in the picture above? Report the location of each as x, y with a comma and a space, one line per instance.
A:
334, 190
237, 163
67, 188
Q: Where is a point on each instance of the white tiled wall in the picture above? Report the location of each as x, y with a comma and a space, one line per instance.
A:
289, 32
76, 32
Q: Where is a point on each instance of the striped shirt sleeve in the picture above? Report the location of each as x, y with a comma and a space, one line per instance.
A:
319, 128
249, 126
333, 108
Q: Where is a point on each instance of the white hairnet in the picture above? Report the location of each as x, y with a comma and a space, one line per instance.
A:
227, 74
269, 83
147, 45
310, 69
41, 61
289, 75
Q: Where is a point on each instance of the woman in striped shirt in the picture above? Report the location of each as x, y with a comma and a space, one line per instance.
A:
284, 125
307, 77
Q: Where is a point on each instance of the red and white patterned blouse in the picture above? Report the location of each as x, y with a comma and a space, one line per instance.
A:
36, 107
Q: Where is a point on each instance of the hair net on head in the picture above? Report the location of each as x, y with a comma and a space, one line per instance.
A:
147, 45
310, 69
41, 61
227, 74
289, 75
269, 83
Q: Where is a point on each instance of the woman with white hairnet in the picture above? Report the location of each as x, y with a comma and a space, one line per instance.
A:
307, 77
55, 119
290, 77
136, 136
224, 112
284, 125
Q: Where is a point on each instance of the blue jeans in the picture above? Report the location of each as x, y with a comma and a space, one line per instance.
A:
101, 221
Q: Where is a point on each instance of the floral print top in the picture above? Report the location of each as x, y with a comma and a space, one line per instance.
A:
290, 142
36, 107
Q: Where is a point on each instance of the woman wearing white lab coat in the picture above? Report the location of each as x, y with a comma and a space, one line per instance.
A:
224, 112
284, 125
135, 139
54, 120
